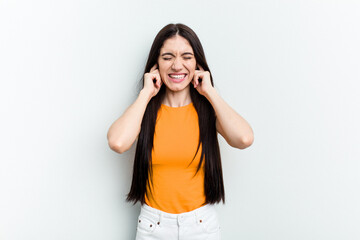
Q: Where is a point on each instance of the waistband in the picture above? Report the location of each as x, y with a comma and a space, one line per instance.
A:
186, 218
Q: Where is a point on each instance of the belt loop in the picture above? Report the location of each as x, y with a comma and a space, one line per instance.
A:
160, 218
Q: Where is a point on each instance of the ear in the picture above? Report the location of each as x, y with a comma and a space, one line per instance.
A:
199, 67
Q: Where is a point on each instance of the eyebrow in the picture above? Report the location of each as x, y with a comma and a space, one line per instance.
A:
168, 53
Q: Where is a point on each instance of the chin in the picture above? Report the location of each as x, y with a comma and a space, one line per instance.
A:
177, 88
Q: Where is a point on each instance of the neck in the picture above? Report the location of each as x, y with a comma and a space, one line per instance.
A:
177, 98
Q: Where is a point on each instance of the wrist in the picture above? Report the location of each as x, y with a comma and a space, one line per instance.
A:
145, 94
210, 93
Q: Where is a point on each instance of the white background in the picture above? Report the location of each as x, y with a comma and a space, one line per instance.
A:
70, 68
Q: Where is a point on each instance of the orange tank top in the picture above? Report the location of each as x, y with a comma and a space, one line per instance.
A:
174, 188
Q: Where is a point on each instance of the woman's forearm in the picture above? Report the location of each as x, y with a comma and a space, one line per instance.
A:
123, 132
234, 128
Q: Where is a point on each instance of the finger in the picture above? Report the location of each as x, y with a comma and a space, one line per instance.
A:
158, 84
196, 77
194, 80
199, 77
153, 78
158, 80
153, 68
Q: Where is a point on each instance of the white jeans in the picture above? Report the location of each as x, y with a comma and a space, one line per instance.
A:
199, 224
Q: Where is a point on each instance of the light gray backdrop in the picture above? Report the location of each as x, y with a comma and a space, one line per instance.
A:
70, 68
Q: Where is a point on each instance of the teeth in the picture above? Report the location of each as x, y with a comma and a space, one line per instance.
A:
177, 76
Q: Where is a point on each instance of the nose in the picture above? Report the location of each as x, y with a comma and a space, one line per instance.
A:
177, 65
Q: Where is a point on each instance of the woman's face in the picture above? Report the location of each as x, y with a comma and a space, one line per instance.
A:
176, 63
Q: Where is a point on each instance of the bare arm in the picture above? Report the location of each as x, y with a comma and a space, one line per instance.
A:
124, 131
235, 129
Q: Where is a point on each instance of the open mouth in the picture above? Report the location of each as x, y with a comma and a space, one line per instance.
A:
177, 77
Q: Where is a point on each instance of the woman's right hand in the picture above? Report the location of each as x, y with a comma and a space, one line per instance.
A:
152, 81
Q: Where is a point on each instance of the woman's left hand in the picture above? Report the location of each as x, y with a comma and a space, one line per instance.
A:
201, 81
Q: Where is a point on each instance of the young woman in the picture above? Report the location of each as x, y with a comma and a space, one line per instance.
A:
177, 174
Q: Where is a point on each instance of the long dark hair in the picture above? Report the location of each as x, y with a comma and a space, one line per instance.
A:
142, 170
